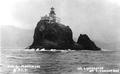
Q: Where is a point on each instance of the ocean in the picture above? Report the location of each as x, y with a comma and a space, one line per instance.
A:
25, 61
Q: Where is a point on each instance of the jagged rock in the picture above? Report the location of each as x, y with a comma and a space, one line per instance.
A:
53, 35
87, 44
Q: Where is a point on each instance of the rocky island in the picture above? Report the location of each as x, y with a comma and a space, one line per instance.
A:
51, 34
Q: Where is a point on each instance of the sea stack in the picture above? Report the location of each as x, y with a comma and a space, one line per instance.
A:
51, 34
87, 44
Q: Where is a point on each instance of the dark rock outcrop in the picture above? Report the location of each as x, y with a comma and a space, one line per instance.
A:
87, 44
52, 35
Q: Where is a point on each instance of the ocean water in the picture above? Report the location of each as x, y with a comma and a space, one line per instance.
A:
22, 61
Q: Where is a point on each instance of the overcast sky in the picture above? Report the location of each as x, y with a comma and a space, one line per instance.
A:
100, 19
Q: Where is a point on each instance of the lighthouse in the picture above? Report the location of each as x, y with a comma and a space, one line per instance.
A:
52, 15
51, 18
52, 12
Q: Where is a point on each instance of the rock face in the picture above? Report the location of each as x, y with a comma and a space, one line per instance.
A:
53, 35
87, 44
58, 36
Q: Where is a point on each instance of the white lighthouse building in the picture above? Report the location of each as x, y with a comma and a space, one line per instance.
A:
52, 17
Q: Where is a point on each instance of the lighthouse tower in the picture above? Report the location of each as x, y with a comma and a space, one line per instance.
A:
52, 12
52, 15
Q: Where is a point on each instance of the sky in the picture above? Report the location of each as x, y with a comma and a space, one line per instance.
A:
100, 19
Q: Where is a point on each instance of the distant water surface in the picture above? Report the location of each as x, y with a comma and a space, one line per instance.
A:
21, 61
